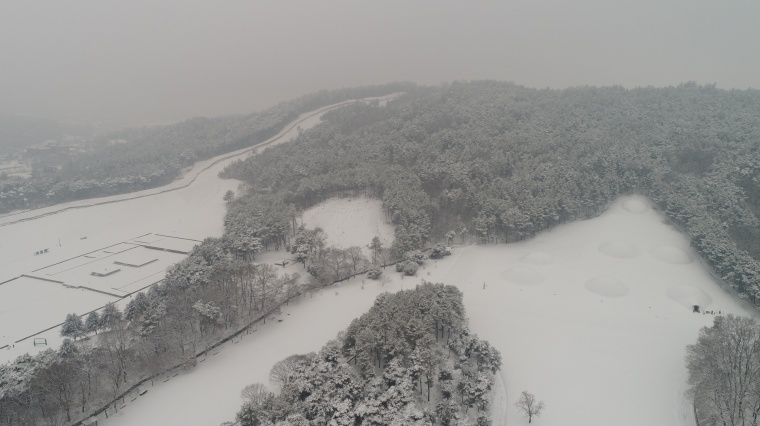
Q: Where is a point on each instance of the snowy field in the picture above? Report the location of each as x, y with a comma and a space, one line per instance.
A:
191, 207
117, 270
40, 299
193, 212
28, 305
351, 221
593, 317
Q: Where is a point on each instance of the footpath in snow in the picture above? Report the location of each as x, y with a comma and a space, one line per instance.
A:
592, 317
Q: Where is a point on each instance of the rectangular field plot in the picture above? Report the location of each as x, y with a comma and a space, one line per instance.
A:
148, 239
41, 299
97, 255
118, 248
162, 242
113, 274
67, 265
136, 258
128, 287
29, 305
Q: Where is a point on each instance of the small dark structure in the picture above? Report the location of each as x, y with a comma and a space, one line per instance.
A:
40, 341
696, 308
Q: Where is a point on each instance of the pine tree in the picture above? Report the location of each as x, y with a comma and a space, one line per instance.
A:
92, 323
68, 349
72, 326
110, 316
137, 306
376, 246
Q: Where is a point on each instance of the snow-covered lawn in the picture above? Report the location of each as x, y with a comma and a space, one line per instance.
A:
28, 305
350, 221
193, 212
41, 298
592, 317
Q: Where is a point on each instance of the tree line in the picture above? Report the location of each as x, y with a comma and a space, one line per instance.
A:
209, 295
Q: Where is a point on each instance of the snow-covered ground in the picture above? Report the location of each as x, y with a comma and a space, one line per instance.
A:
191, 207
592, 317
351, 221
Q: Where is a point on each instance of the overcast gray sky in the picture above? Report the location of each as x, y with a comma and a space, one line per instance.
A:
135, 62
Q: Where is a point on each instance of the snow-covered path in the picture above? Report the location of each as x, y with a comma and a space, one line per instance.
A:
592, 317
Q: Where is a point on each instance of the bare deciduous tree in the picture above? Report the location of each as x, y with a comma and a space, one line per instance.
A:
282, 370
254, 394
356, 259
335, 263
529, 406
114, 348
723, 371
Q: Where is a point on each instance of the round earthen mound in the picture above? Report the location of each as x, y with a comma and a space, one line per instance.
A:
607, 286
688, 296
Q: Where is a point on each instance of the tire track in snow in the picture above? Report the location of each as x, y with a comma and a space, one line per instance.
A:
684, 411
223, 157
500, 402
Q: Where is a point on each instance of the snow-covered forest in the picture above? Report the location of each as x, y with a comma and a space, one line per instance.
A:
484, 161
410, 344
502, 162
17, 133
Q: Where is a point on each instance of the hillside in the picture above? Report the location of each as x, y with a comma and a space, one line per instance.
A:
500, 163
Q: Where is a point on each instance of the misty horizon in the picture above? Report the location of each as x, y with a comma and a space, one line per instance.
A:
142, 63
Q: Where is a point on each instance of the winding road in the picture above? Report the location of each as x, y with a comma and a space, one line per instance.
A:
189, 177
